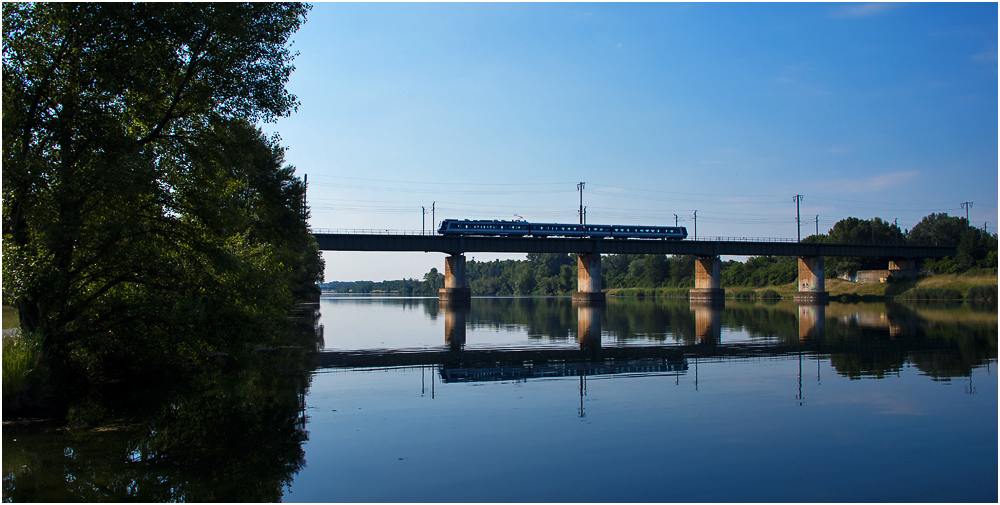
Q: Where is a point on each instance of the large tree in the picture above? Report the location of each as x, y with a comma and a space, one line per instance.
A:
938, 229
852, 230
139, 202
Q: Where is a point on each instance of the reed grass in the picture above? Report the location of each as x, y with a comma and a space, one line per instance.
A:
20, 359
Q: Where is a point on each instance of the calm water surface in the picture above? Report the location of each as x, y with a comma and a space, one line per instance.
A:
538, 400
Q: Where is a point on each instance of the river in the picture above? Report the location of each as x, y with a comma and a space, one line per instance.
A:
538, 400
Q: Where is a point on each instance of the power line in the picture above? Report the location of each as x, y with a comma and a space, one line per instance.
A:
798, 221
967, 206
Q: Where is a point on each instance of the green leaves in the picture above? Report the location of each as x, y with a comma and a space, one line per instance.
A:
145, 217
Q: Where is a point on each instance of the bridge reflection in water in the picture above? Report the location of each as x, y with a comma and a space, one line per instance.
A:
658, 337
459, 364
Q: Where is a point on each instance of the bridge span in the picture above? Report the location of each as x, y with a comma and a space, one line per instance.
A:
901, 258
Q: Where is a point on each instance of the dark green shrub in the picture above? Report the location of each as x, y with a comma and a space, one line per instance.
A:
931, 294
769, 294
982, 293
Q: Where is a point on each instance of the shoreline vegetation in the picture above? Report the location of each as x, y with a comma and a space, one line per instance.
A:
151, 229
554, 275
974, 286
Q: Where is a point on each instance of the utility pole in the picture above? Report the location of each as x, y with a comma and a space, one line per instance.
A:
433, 217
305, 190
423, 219
817, 225
967, 206
696, 224
798, 220
580, 187
675, 219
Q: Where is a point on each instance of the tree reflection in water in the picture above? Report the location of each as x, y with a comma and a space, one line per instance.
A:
235, 431
232, 433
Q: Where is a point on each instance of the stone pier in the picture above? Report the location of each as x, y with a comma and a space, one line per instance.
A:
900, 268
588, 270
812, 283
707, 280
456, 287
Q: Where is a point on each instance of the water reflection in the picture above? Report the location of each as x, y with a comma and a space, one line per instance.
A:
455, 316
220, 437
708, 320
861, 340
588, 324
812, 321
237, 433
230, 430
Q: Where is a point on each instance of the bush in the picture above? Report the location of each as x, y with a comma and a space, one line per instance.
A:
982, 293
769, 294
932, 294
745, 294
20, 355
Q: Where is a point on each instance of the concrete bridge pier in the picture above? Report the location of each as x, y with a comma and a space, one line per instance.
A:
456, 286
707, 280
812, 283
902, 267
588, 271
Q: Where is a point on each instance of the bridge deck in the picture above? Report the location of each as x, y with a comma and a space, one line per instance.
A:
704, 248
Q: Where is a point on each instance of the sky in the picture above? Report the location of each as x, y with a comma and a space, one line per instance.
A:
710, 115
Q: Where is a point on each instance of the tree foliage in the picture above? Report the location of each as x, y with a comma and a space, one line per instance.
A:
938, 229
976, 248
144, 216
760, 271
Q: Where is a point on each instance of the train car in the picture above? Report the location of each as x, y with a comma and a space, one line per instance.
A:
522, 228
559, 230
661, 232
481, 227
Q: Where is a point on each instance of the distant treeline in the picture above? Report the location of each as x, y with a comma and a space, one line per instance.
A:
554, 274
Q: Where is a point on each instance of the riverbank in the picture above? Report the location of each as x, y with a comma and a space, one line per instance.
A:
945, 286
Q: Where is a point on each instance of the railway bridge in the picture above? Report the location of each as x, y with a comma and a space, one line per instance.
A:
811, 283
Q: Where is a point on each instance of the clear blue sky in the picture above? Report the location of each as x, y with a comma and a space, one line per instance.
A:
492, 110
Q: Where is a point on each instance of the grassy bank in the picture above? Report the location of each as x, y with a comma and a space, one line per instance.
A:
938, 287
10, 319
19, 360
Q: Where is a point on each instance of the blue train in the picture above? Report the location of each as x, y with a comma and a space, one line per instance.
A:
524, 228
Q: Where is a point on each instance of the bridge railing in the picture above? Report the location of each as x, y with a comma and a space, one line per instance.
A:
742, 239
429, 233
371, 231
368, 231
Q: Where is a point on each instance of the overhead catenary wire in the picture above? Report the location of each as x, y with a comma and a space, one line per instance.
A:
608, 204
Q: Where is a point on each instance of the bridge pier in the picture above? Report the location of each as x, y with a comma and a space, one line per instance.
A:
707, 280
456, 286
812, 282
588, 271
902, 267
